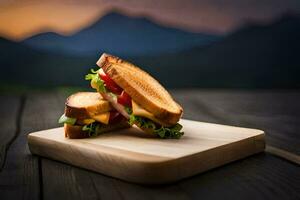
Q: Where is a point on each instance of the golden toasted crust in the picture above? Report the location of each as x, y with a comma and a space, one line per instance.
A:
142, 88
76, 132
80, 105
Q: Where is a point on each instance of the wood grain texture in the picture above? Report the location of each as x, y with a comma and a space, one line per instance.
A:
20, 176
283, 154
277, 112
9, 107
130, 154
262, 176
258, 177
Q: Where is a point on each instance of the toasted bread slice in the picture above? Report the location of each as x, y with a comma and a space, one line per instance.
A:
142, 88
76, 132
82, 105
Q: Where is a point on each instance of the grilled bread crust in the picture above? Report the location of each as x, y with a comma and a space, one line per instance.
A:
142, 88
75, 132
80, 105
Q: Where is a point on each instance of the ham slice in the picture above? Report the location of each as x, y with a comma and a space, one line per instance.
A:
113, 100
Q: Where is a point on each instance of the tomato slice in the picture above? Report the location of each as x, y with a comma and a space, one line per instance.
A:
124, 99
110, 84
114, 117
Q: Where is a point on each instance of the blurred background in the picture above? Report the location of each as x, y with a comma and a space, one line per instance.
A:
195, 44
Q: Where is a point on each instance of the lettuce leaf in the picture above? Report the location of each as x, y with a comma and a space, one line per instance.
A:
128, 110
92, 129
67, 120
170, 132
96, 81
163, 132
96, 128
144, 122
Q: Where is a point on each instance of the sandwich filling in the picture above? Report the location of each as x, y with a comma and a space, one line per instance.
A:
132, 111
95, 125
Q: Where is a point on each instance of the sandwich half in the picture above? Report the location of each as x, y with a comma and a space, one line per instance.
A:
88, 114
135, 94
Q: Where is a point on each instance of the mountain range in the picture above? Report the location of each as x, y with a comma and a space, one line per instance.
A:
123, 36
254, 56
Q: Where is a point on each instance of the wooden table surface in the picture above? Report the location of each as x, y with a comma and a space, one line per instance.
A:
274, 174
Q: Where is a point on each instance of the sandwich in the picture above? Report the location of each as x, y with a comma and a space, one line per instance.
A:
88, 114
141, 99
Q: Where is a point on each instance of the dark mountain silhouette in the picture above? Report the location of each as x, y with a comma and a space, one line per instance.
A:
23, 65
121, 35
254, 56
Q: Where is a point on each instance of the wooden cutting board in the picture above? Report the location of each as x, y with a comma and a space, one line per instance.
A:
131, 155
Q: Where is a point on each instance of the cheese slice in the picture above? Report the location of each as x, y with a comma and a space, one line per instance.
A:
103, 117
139, 111
88, 121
